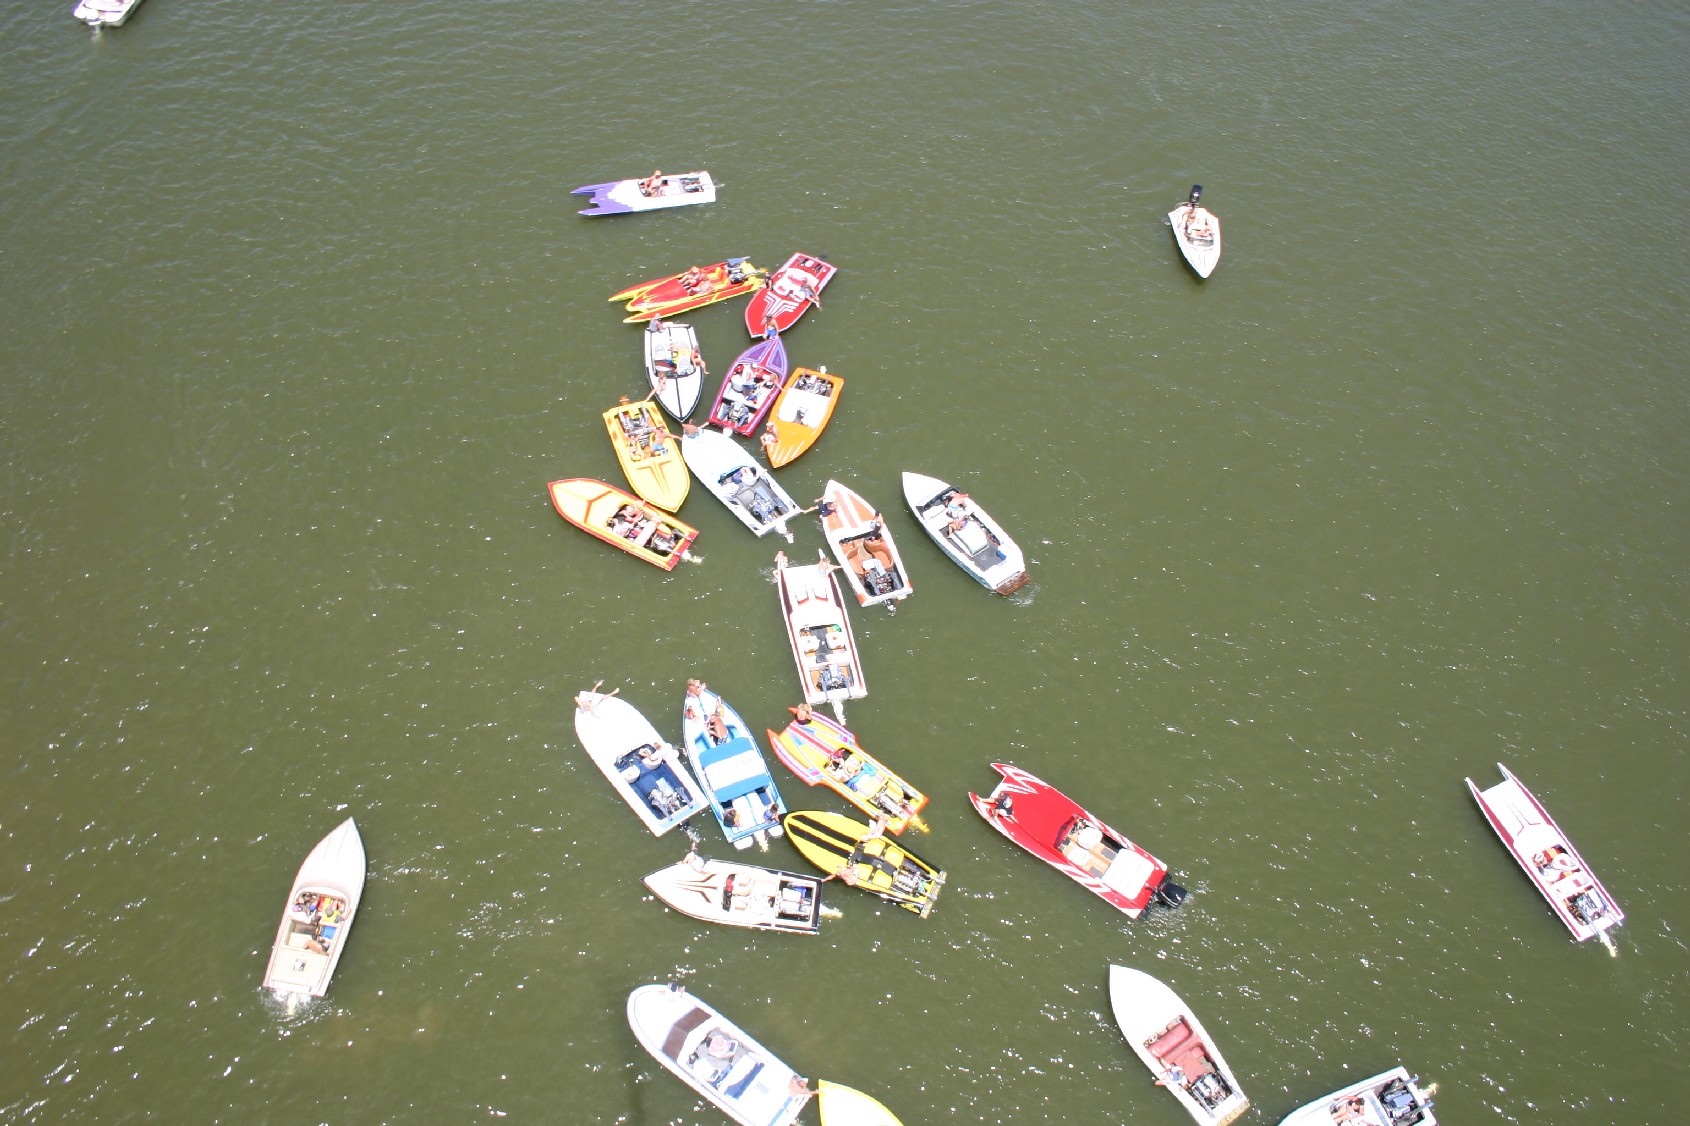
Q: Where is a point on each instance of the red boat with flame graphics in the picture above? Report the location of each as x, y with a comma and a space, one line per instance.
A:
791, 290
692, 288
1053, 827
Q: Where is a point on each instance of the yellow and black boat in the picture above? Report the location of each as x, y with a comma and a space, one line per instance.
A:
862, 856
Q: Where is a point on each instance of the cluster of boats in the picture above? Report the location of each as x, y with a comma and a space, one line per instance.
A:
718, 763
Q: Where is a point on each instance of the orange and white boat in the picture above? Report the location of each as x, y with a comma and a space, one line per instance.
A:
857, 533
650, 455
623, 520
801, 412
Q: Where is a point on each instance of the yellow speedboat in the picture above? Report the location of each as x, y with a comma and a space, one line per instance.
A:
860, 855
650, 455
802, 410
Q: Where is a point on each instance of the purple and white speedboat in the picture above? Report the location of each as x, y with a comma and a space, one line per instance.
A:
651, 193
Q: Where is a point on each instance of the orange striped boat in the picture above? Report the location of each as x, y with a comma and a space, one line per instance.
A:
623, 520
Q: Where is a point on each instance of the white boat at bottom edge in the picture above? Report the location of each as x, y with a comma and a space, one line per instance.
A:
320, 908
715, 1057
1172, 1043
1391, 1098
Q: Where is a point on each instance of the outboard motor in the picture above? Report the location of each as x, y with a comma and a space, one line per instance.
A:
1169, 894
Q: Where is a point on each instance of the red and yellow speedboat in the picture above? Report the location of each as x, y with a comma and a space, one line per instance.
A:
692, 288
623, 520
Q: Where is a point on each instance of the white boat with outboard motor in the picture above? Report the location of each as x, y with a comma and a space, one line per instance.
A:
1197, 230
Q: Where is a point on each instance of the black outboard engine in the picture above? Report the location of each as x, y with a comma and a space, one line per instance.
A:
1169, 894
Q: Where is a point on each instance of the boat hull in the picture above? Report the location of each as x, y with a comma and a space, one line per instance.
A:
623, 197
622, 520
966, 533
824, 649
1547, 857
1391, 1098
650, 455
668, 297
868, 557
800, 414
1056, 829
643, 768
715, 1057
792, 290
105, 13
841, 1106
750, 388
674, 367
844, 847
318, 914
752, 494
729, 765
1203, 255
822, 752
740, 895
1170, 1041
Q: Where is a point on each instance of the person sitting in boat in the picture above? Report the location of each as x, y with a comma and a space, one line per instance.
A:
1351, 1109
652, 184
663, 540
316, 943
1555, 864
693, 279
717, 726
1199, 224
956, 506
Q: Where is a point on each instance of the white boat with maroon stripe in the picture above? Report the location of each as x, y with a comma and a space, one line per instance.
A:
1549, 859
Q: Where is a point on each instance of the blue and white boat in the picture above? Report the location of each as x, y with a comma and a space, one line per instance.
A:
725, 756
644, 769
